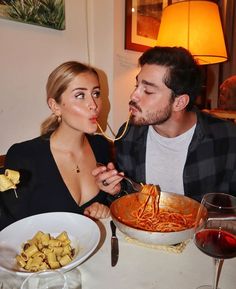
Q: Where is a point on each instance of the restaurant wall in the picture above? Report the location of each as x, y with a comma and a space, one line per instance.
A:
125, 69
94, 34
108, 52
28, 54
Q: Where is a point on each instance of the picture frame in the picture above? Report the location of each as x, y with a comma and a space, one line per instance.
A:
142, 21
46, 13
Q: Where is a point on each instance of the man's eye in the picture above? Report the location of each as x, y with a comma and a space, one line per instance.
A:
148, 92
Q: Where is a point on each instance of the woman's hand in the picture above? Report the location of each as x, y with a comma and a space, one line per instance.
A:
97, 211
107, 178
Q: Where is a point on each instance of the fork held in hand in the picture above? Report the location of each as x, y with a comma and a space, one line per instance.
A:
136, 186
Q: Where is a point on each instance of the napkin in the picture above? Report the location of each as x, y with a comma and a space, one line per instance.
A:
178, 248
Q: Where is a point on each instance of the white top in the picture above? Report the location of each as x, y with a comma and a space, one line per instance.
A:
166, 158
141, 267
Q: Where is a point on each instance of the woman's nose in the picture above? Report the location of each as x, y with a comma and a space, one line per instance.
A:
93, 104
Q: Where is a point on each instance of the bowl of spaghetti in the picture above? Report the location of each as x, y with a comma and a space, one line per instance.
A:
155, 217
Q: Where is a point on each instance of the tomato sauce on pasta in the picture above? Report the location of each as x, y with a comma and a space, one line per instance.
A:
150, 217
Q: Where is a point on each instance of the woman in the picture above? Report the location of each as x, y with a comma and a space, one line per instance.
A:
56, 167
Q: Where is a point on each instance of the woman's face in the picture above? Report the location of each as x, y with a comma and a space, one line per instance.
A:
81, 103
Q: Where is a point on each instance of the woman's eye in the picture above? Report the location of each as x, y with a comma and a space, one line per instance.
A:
96, 94
79, 95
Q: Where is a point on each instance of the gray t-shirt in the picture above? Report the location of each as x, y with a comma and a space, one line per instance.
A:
165, 160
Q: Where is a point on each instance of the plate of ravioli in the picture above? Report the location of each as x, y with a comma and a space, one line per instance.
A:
50, 241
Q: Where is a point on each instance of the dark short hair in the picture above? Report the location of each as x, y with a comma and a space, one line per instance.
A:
184, 73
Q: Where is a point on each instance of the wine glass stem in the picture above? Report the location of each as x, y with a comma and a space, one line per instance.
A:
218, 263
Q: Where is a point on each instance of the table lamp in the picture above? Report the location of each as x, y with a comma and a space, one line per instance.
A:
196, 26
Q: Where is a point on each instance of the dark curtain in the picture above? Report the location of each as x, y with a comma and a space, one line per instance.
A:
228, 9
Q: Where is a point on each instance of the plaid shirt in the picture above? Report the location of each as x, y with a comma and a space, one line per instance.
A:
210, 163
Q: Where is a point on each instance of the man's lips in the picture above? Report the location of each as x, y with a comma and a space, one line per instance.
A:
133, 109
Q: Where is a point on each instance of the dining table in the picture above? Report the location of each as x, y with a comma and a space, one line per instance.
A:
140, 266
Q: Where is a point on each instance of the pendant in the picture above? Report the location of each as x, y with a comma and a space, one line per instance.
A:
77, 169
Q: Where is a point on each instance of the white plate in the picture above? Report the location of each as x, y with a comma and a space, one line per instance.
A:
83, 232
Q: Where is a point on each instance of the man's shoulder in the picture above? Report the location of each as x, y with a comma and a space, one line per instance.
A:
216, 126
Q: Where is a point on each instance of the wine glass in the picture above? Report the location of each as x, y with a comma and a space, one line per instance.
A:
47, 279
215, 230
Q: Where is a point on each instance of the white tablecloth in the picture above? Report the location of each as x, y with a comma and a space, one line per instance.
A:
140, 267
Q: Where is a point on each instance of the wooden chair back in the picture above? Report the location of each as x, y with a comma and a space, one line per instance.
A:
2, 160
225, 114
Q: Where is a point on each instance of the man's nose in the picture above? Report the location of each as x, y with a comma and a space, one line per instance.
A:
135, 95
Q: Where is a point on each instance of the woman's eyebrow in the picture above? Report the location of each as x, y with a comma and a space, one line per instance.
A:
84, 88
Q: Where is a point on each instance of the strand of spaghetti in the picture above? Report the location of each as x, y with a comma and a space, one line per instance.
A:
152, 195
115, 139
149, 217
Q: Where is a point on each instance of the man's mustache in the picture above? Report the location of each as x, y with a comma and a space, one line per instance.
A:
135, 105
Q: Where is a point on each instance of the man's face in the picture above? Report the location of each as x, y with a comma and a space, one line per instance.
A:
151, 102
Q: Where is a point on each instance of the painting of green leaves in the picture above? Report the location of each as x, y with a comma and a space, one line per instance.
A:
47, 13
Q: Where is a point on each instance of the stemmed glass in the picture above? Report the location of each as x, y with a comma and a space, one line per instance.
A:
48, 279
215, 230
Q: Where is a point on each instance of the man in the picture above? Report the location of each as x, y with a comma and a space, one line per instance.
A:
168, 141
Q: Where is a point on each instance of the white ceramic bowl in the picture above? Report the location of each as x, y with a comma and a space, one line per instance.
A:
83, 232
121, 210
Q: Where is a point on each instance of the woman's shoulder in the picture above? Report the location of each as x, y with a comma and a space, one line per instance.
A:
29, 146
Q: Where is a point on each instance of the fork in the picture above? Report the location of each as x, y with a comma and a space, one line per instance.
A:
136, 186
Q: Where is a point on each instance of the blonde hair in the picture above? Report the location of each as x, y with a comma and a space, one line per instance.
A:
57, 83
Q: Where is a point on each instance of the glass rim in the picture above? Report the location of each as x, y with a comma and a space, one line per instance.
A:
231, 197
45, 273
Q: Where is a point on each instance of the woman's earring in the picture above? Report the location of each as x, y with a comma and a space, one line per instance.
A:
59, 118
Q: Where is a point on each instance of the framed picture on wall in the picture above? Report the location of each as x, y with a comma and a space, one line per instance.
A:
47, 13
142, 21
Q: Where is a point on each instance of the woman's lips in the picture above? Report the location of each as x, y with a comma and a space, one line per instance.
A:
93, 119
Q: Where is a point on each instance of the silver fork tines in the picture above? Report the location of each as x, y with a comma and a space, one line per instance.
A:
136, 186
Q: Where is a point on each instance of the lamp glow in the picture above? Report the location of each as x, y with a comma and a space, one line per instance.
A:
196, 26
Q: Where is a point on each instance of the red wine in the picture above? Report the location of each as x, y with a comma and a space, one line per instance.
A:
216, 243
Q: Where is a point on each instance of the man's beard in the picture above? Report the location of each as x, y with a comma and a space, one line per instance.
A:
151, 118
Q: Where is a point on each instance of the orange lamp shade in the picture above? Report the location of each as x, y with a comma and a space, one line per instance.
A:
196, 26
